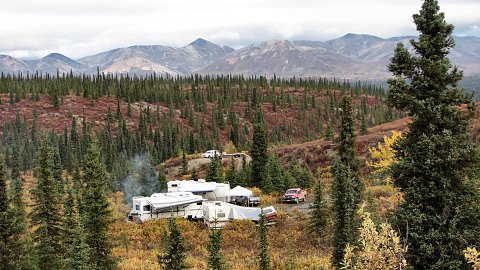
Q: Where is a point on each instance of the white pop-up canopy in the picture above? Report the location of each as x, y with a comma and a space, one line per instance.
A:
239, 191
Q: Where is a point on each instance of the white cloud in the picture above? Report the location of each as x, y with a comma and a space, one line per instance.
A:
30, 28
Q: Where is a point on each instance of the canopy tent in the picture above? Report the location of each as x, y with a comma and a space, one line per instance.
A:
239, 191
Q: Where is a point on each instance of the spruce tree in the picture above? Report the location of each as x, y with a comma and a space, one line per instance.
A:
263, 256
259, 154
184, 168
77, 250
78, 253
347, 186
277, 174
215, 257
363, 125
176, 249
21, 244
96, 214
319, 214
231, 174
215, 170
162, 180
194, 174
46, 216
438, 164
329, 132
5, 222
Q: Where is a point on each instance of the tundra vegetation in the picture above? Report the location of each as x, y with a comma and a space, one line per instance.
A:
72, 148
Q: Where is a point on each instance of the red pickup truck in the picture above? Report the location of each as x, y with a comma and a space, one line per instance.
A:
294, 195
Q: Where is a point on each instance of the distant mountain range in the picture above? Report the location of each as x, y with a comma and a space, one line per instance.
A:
351, 56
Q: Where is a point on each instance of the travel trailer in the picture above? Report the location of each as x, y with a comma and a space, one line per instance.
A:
217, 214
165, 205
211, 191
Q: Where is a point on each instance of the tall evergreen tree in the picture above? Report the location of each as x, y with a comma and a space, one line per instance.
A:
215, 257
96, 214
77, 250
263, 256
438, 164
347, 186
5, 222
162, 180
176, 248
319, 214
194, 174
78, 253
46, 216
259, 154
215, 170
21, 244
184, 168
231, 174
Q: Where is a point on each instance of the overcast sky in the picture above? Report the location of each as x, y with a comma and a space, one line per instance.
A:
35, 28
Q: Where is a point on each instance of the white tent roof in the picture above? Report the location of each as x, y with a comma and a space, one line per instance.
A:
167, 200
239, 191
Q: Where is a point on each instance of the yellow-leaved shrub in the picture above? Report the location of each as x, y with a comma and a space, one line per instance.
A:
378, 249
473, 257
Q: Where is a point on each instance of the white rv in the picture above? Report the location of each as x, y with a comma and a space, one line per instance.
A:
211, 191
165, 205
218, 214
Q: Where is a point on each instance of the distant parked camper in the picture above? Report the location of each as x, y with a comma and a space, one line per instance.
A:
218, 214
211, 154
211, 191
165, 205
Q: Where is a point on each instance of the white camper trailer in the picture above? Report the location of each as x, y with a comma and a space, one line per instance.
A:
211, 191
218, 214
165, 205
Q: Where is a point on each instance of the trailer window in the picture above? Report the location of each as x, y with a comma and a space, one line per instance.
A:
137, 207
147, 208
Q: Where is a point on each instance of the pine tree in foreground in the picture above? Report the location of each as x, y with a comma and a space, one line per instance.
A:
96, 215
21, 244
46, 216
78, 253
319, 214
4, 218
176, 249
215, 257
347, 186
263, 257
438, 163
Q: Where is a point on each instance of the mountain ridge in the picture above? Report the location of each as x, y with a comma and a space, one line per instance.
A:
351, 56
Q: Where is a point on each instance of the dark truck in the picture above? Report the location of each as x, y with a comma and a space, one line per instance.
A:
247, 200
295, 195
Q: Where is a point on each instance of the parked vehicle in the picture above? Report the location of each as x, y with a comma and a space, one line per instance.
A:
165, 205
211, 191
295, 195
242, 196
216, 153
246, 200
219, 214
211, 154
